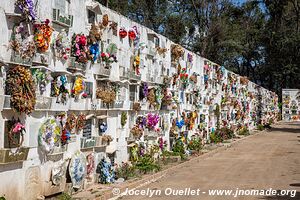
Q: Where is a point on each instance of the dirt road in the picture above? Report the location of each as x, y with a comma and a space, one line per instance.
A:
263, 161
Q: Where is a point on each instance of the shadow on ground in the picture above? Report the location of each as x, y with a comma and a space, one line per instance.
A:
290, 130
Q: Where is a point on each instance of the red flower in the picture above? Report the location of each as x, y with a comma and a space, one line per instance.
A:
186, 75
132, 34
82, 40
103, 55
47, 21
72, 91
122, 33
84, 95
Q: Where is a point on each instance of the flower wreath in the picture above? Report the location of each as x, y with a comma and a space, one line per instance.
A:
107, 174
21, 87
107, 95
58, 172
77, 169
49, 135
90, 167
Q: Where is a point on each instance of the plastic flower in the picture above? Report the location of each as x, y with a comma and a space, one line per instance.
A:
122, 33
84, 95
180, 123
79, 86
152, 120
18, 127
65, 56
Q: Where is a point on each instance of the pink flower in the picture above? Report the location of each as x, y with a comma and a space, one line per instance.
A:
18, 127
77, 38
82, 40
65, 56
77, 52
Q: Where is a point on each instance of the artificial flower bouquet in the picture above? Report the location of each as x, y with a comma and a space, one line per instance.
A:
27, 9
16, 133
152, 121
78, 88
108, 58
79, 48
106, 139
106, 95
184, 77
42, 35
61, 45
137, 132
21, 43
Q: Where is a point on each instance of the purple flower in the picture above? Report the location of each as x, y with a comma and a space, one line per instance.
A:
27, 9
145, 89
152, 120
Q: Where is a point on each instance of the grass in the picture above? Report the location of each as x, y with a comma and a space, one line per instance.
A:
64, 196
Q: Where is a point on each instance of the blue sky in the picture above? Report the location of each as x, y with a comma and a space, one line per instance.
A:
239, 1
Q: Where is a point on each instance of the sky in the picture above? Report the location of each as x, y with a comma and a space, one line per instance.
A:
239, 1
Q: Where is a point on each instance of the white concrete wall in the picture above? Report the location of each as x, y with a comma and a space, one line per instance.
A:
36, 170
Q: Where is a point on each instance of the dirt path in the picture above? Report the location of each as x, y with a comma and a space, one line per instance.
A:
263, 161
